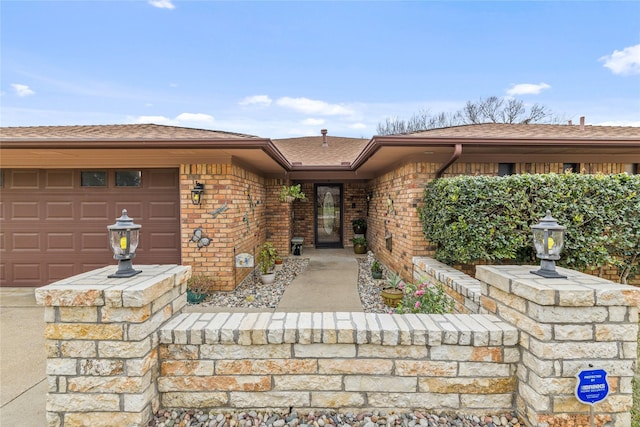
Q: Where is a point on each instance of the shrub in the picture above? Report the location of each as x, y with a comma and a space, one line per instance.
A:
471, 219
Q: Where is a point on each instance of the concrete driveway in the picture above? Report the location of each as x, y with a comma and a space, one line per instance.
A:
23, 383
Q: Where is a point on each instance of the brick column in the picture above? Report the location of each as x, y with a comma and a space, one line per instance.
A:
565, 325
102, 346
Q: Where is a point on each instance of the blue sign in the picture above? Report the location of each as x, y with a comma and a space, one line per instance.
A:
592, 386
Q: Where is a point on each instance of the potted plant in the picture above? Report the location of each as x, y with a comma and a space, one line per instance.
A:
359, 226
376, 270
267, 259
359, 245
198, 288
393, 291
289, 193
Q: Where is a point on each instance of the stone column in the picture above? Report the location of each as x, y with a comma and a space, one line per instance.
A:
565, 326
102, 345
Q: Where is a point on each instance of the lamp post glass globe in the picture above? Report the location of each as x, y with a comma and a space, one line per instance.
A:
548, 240
124, 237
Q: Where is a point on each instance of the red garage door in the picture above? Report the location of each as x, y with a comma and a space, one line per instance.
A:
54, 222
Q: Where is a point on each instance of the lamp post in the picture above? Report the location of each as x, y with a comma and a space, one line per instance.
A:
196, 193
124, 237
548, 239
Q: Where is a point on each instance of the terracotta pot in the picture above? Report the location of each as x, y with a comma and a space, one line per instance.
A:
391, 296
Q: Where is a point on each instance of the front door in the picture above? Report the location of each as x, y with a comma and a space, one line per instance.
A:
328, 227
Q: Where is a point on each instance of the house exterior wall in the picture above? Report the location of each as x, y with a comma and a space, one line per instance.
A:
303, 215
254, 214
279, 224
241, 228
355, 206
393, 211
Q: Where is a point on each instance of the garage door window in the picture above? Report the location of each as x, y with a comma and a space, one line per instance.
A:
93, 179
128, 178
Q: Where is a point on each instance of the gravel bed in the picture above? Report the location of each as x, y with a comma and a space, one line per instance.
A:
251, 293
193, 418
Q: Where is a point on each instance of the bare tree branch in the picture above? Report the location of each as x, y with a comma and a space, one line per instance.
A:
490, 110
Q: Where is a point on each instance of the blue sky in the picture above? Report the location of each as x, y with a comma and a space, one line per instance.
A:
284, 69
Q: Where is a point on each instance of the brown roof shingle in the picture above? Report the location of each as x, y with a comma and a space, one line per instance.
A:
115, 132
531, 131
308, 151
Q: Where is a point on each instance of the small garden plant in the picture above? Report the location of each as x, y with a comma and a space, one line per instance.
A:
424, 298
419, 297
198, 287
267, 257
289, 193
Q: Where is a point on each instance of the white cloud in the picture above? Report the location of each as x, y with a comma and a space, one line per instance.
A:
313, 106
162, 4
625, 62
634, 123
183, 119
527, 89
195, 117
159, 120
22, 90
263, 100
313, 122
357, 126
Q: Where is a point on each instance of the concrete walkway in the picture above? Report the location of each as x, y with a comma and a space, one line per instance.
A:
329, 283
23, 383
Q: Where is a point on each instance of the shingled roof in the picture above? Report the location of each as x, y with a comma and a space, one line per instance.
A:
310, 151
531, 131
116, 132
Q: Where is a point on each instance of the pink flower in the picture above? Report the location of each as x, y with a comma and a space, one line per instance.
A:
420, 292
417, 304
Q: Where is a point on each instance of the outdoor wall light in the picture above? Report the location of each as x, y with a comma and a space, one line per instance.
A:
196, 193
548, 239
124, 237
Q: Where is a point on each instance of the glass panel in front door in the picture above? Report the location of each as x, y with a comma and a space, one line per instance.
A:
329, 215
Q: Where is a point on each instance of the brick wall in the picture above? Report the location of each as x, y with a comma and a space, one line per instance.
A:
303, 215
355, 206
278, 217
393, 212
241, 228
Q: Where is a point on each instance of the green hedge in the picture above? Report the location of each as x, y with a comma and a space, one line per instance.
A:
470, 219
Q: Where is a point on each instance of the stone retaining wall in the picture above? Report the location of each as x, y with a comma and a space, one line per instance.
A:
102, 344
118, 349
462, 288
338, 361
